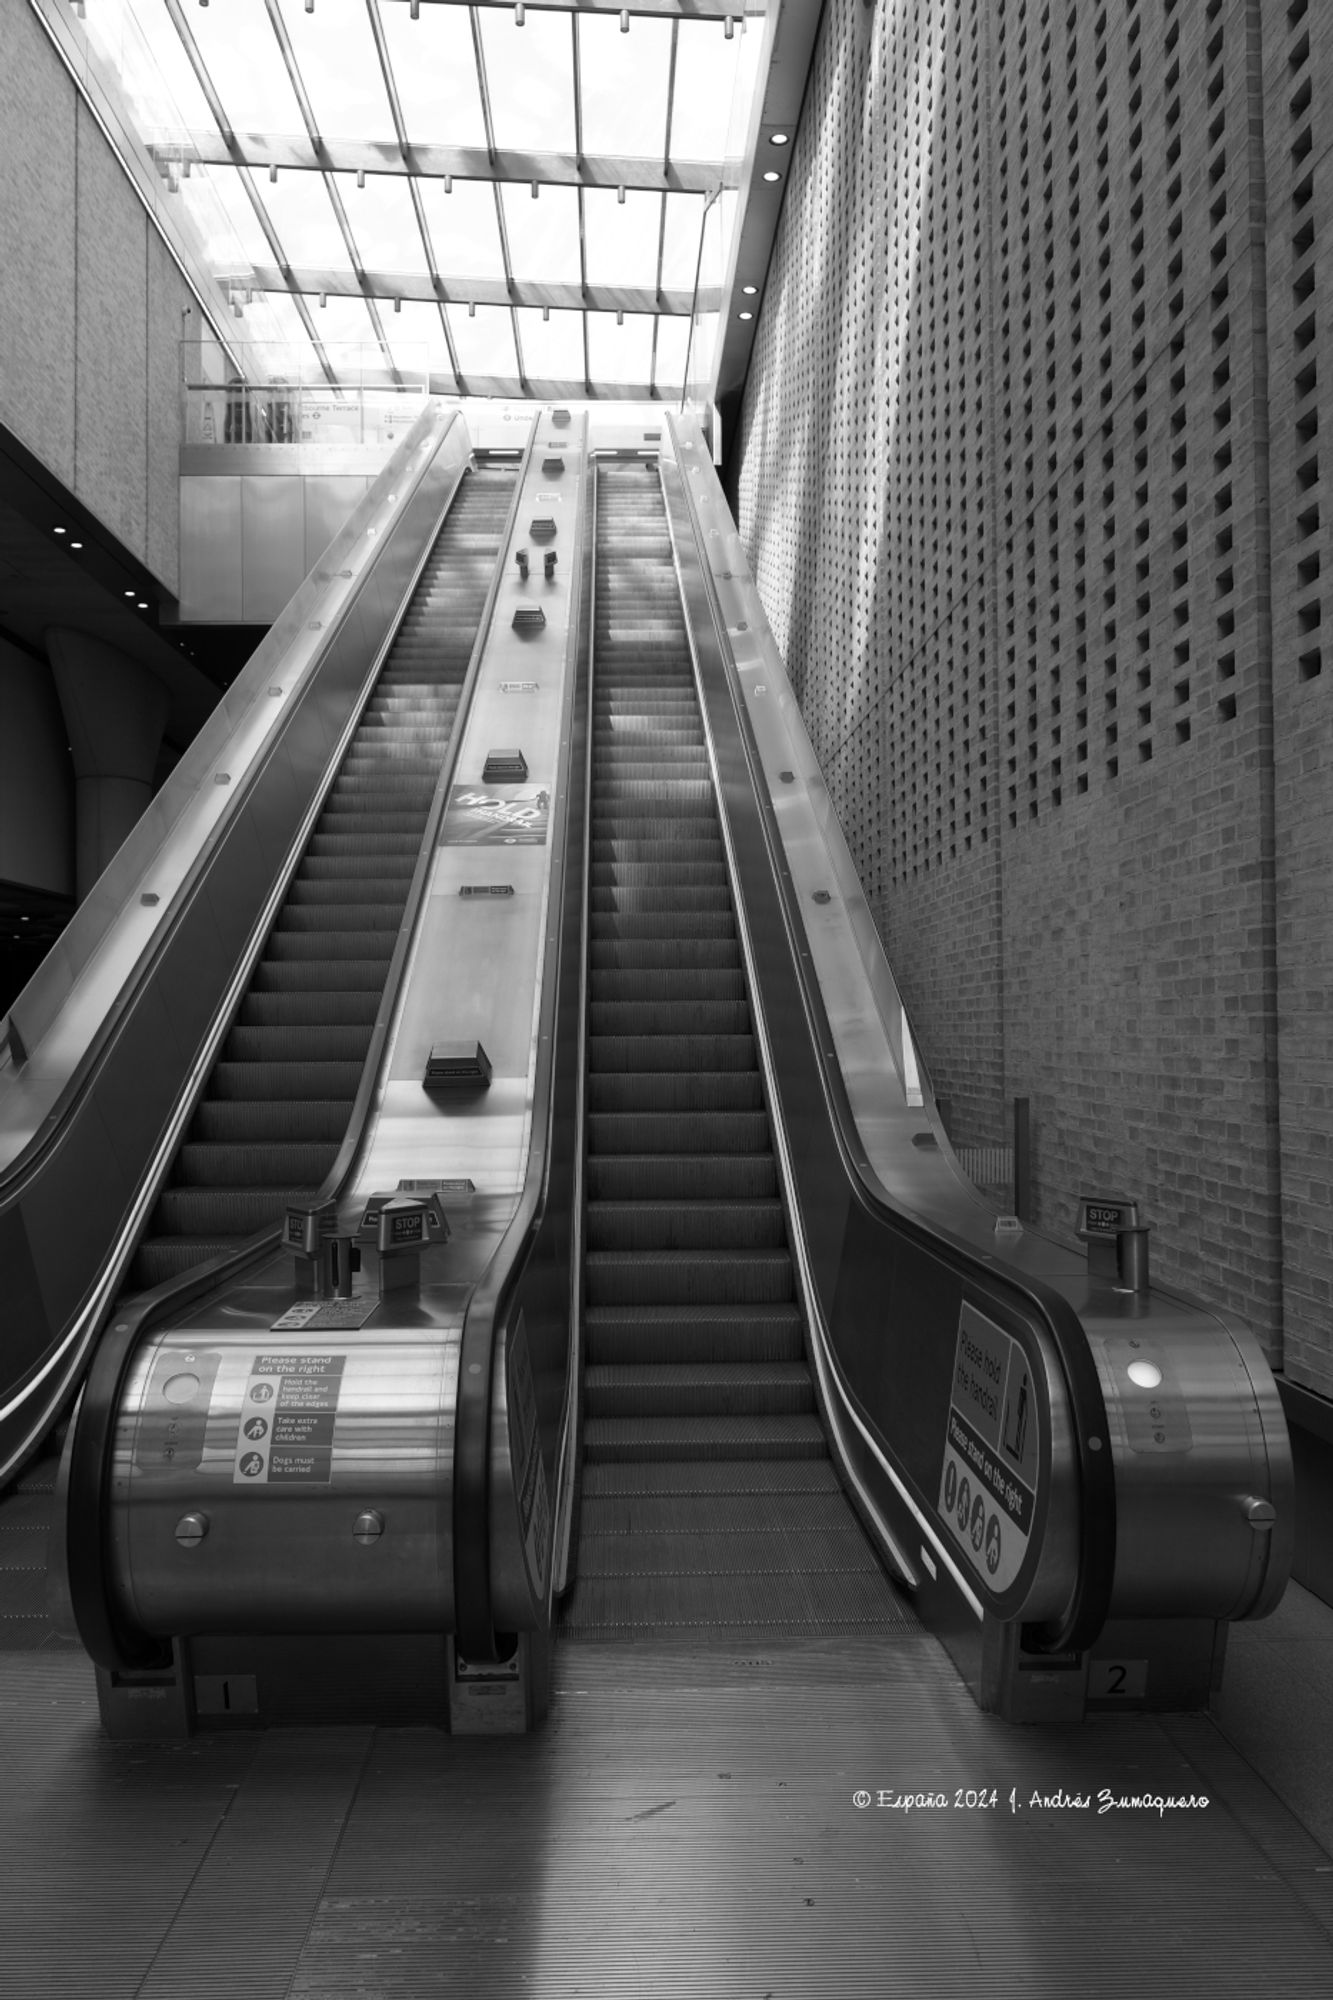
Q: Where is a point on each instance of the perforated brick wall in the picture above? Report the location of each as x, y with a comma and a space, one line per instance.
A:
1028, 473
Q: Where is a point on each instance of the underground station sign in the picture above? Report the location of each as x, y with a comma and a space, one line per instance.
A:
988, 1481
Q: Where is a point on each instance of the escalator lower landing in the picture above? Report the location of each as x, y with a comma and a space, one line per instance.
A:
710, 1504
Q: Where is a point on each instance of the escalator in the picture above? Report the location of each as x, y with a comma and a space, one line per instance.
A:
277, 1104
710, 1501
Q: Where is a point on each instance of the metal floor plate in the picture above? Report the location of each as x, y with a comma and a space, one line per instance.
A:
686, 1823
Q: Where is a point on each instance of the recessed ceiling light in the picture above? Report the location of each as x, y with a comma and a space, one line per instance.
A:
76, 545
129, 593
772, 175
778, 138
62, 531
143, 604
749, 290
746, 315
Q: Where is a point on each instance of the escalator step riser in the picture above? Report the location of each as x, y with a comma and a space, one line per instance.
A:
252, 1121
713, 1480
317, 975
356, 918
665, 873
709, 988
803, 1518
324, 892
309, 1010
730, 1092
293, 946
610, 1054
693, 1176
609, 852
605, 927
666, 1335
324, 1080
663, 1278
298, 1044
671, 1132
367, 864
756, 1398
672, 899
667, 1018
224, 1211
282, 1164
623, 1227
636, 1439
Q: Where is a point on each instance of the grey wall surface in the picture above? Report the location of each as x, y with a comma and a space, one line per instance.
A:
36, 778
1030, 478
90, 305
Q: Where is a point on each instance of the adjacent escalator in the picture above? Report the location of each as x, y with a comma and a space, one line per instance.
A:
710, 1502
276, 1106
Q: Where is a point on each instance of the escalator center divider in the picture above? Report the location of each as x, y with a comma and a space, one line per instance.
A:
710, 1504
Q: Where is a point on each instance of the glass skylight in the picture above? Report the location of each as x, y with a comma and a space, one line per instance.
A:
304, 132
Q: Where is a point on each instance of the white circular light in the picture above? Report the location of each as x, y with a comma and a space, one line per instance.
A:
129, 593
76, 545
749, 290
143, 604
772, 175
778, 138
62, 531
746, 315
1146, 1374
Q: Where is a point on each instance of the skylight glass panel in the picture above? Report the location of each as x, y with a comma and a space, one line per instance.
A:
618, 355
383, 223
552, 349
484, 345
621, 237
624, 85
225, 217
416, 336
299, 208
289, 327
435, 74
136, 39
241, 52
342, 322
463, 229
335, 53
543, 234
680, 247
530, 78
673, 336
702, 350
706, 68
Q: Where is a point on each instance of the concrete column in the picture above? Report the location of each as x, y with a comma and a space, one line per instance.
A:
115, 711
36, 778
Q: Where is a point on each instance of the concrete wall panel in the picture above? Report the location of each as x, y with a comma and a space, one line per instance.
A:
38, 168
110, 439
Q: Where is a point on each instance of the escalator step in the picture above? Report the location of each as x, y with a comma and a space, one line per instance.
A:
623, 954
619, 995
635, 1438
689, 1277
736, 1605
685, 1225
323, 1080
261, 1164
669, 1090
297, 1045
680, 1334
694, 1549
676, 1132
708, 1479
635, 1516
250, 1121
659, 925
681, 1177
318, 975
699, 1389
655, 1048
225, 1211
315, 1008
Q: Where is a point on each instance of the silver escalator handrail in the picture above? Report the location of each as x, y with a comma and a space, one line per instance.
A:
56, 1025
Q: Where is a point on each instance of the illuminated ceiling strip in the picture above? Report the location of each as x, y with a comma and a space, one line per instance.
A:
419, 207
214, 103
463, 163
514, 292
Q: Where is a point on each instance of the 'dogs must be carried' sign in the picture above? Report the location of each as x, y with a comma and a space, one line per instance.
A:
991, 1469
